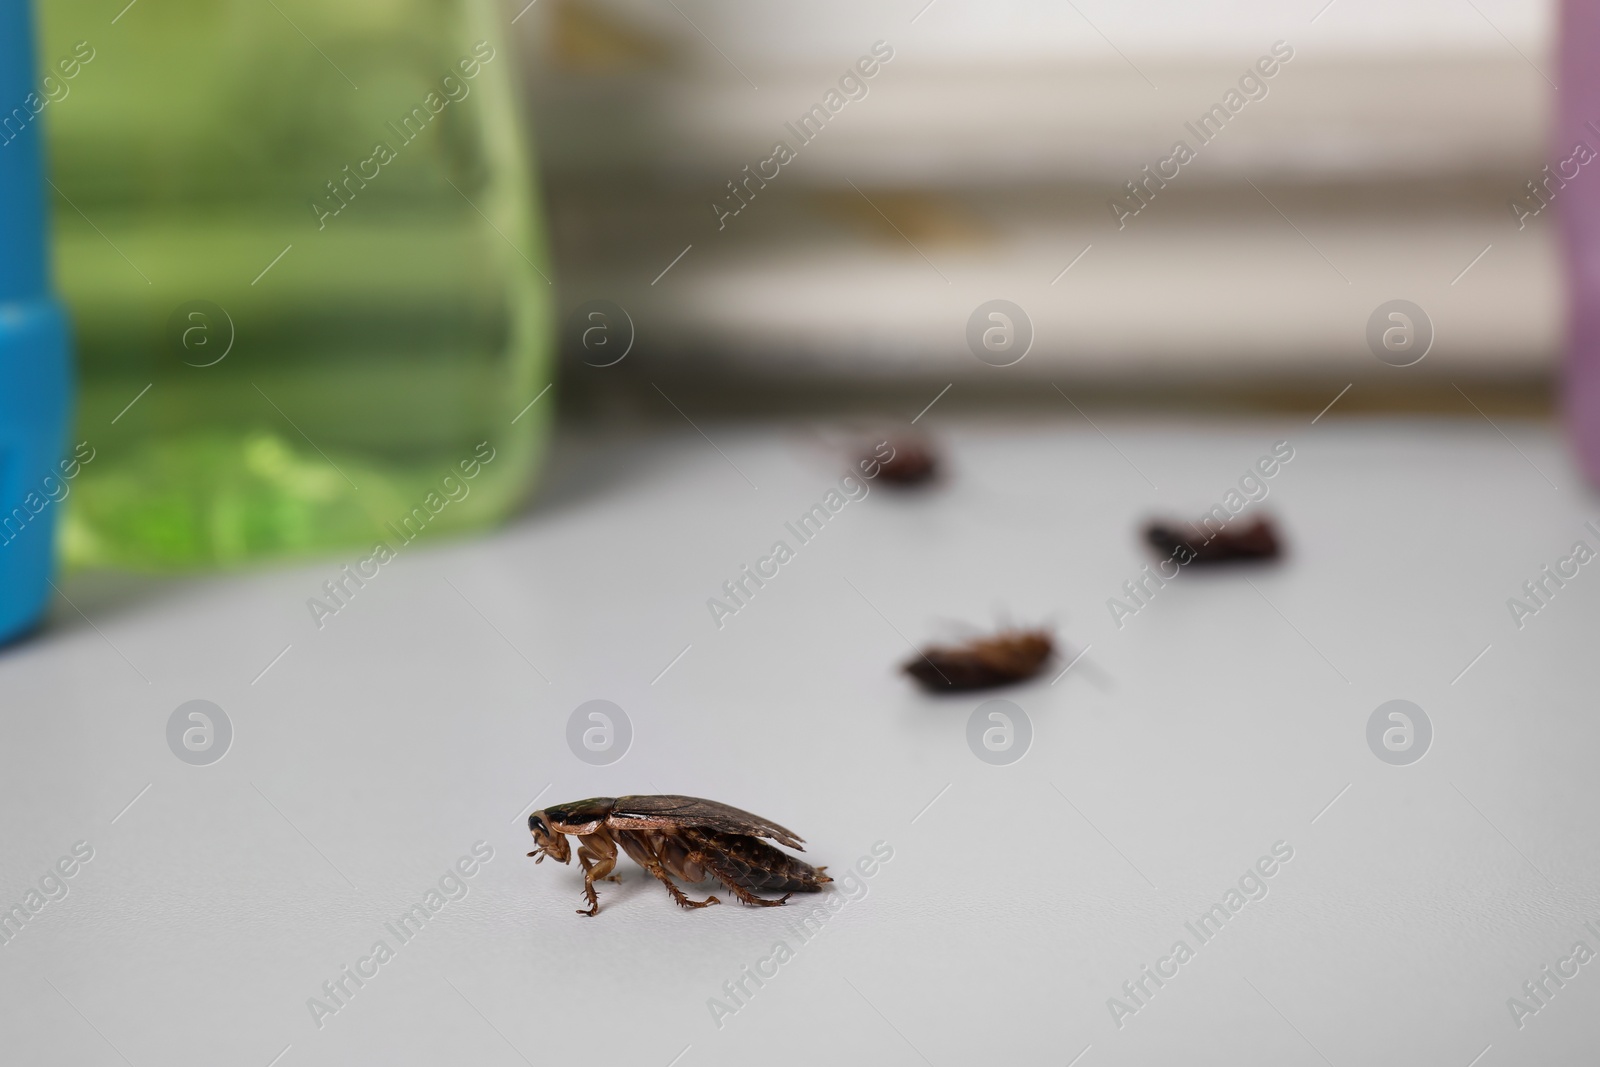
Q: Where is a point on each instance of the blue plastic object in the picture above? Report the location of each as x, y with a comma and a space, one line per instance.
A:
35, 376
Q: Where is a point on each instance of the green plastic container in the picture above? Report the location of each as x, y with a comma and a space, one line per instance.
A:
301, 245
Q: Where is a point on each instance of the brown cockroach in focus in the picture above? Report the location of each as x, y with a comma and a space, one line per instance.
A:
1188, 544
686, 838
911, 461
1008, 657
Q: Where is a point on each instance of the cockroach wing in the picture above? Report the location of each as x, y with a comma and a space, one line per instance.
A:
668, 812
581, 811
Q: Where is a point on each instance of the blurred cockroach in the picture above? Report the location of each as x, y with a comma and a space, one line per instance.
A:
912, 461
1007, 657
676, 837
1257, 541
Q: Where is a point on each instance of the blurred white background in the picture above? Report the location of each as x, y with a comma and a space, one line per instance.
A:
983, 159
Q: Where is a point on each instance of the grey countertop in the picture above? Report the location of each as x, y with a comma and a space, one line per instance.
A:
1225, 719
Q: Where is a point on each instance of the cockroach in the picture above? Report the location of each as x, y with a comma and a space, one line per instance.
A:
1197, 545
982, 663
911, 461
686, 838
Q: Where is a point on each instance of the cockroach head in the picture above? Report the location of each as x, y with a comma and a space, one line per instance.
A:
550, 843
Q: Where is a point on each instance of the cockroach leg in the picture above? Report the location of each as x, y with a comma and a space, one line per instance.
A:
588, 890
678, 894
597, 863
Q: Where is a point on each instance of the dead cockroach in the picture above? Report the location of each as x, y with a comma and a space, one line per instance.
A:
1198, 545
911, 461
1007, 657
676, 837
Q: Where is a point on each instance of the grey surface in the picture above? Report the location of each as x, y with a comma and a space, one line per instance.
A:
429, 713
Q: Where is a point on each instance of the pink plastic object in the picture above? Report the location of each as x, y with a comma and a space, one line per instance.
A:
1578, 120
